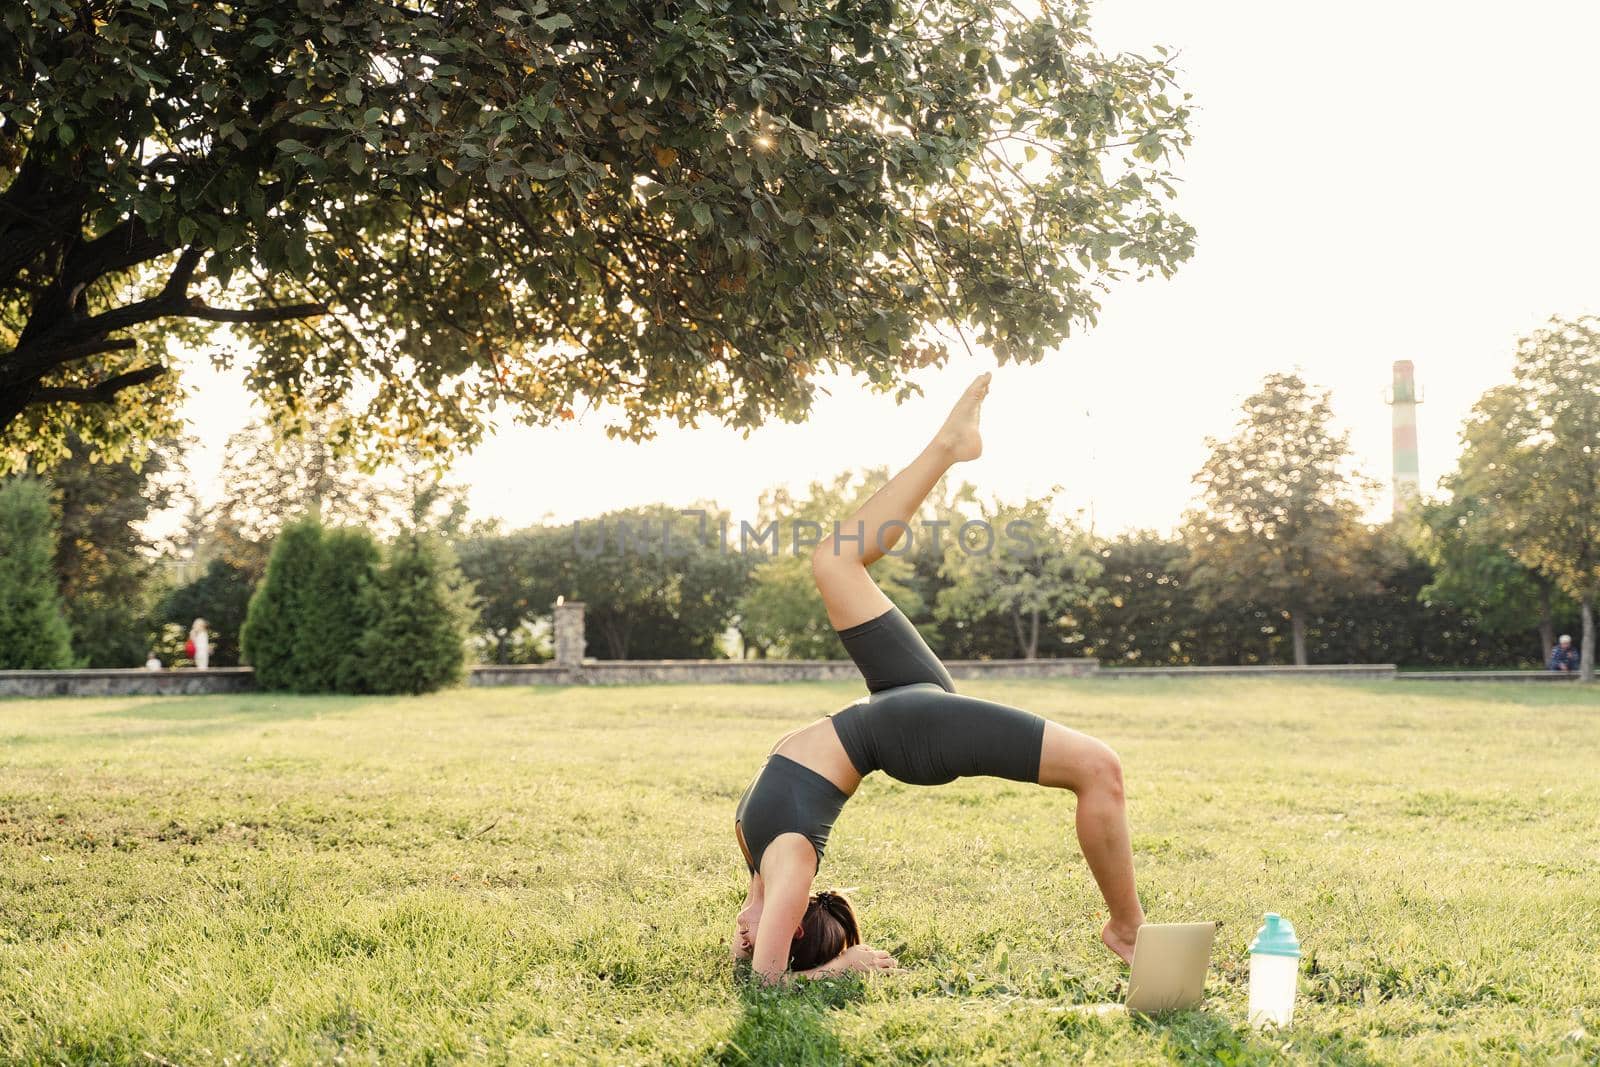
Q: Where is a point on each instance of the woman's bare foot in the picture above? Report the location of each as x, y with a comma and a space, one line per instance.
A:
1120, 941
959, 434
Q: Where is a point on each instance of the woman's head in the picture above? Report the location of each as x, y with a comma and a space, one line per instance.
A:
827, 929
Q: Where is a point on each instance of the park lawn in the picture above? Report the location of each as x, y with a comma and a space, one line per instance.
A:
549, 876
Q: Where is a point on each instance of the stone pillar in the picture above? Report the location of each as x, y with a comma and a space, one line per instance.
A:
569, 633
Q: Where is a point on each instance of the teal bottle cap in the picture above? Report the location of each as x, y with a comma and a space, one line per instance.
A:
1276, 937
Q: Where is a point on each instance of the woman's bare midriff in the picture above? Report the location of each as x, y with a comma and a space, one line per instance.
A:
817, 748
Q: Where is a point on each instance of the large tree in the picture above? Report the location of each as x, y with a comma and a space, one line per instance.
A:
435, 207
1279, 521
1532, 448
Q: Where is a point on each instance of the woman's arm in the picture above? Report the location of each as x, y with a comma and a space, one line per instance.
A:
786, 890
854, 958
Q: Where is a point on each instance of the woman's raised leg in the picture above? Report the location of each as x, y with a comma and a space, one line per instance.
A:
839, 564
1072, 760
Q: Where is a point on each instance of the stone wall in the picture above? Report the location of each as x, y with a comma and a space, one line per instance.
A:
736, 671
723, 672
1558, 677
571, 668
1347, 671
101, 682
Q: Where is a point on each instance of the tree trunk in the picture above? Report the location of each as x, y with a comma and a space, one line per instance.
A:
616, 634
1033, 636
1297, 622
1547, 622
1586, 654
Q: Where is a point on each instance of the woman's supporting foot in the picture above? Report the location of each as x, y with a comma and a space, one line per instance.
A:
959, 435
1120, 940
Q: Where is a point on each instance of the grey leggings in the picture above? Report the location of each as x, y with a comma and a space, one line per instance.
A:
915, 727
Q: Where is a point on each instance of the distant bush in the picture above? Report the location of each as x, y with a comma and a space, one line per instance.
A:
416, 639
33, 629
273, 627
328, 618
338, 613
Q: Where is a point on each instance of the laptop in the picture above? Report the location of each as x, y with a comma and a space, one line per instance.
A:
1170, 961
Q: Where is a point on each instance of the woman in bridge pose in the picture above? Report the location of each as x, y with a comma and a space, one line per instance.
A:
914, 727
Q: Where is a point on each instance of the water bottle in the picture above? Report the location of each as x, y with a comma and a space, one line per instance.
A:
1274, 972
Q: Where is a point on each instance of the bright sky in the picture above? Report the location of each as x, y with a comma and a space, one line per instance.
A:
1370, 182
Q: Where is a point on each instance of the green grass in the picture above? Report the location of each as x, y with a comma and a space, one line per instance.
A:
550, 876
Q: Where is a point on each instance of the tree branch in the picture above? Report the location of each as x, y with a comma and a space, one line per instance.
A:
197, 310
91, 348
103, 393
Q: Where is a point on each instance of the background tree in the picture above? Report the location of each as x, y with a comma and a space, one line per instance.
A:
271, 635
33, 629
269, 475
1395, 620
1532, 449
650, 596
106, 563
447, 206
1148, 614
1279, 521
1036, 570
515, 577
1461, 538
424, 499
337, 613
780, 613
416, 639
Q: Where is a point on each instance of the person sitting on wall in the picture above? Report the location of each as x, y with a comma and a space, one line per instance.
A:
1564, 657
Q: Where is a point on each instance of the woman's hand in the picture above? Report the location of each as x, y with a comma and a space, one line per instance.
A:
865, 958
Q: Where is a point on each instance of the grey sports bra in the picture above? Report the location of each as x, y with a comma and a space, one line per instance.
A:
786, 797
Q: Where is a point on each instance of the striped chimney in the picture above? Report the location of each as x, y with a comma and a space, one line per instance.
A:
1403, 399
